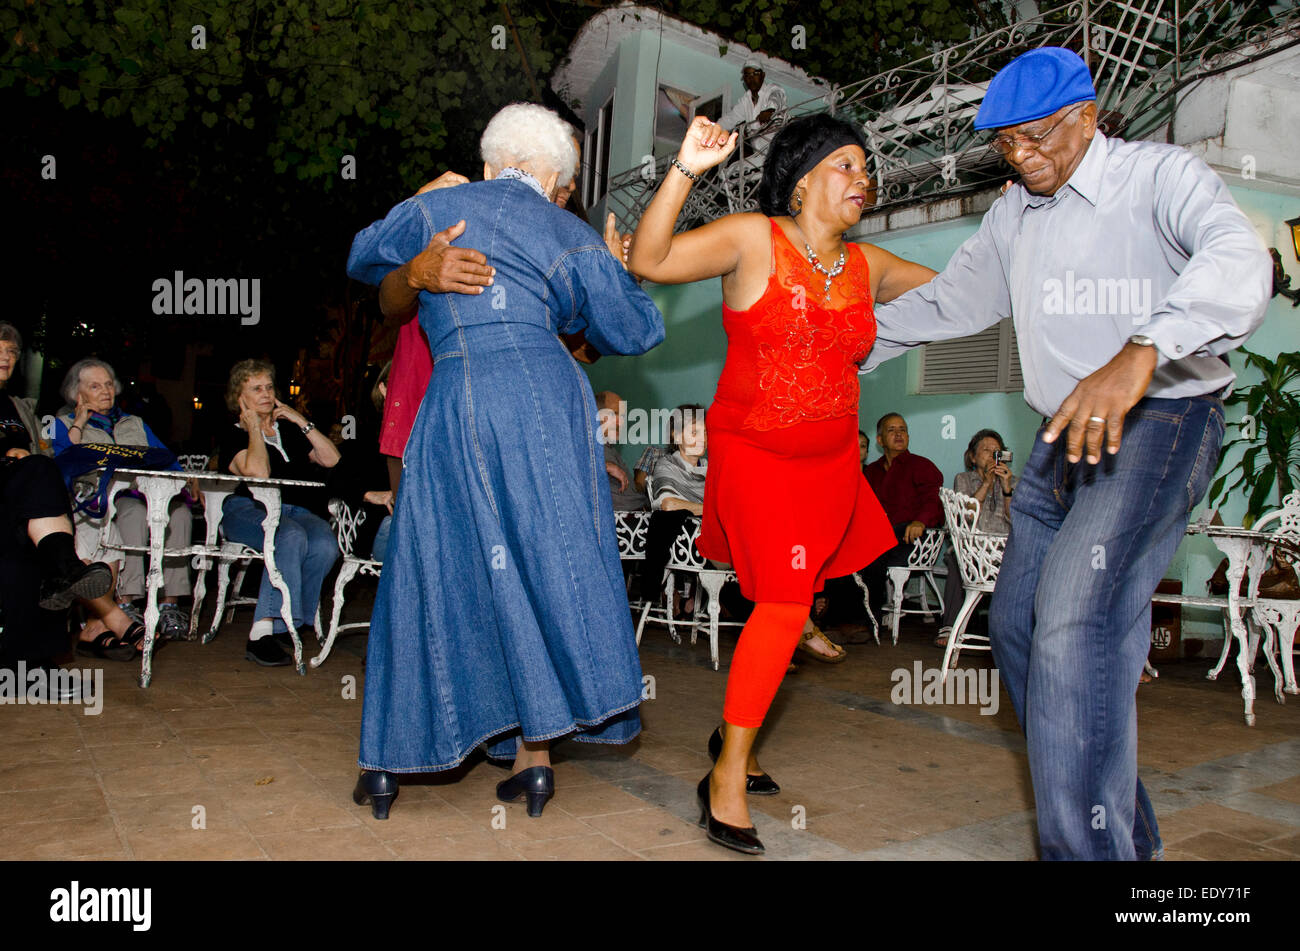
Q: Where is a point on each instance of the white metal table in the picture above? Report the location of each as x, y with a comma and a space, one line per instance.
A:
159, 487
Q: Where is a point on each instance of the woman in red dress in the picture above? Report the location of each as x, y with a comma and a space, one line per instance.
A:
797, 309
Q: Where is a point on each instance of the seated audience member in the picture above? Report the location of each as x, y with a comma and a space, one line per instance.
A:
678, 483
623, 491
864, 450
645, 466
678, 477
907, 486
272, 440
40, 573
90, 388
991, 484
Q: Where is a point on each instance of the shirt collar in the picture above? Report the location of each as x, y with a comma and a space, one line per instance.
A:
1087, 178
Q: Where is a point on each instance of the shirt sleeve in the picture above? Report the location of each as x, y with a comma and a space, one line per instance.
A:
969, 295
606, 303
734, 116
775, 99
388, 244
1220, 297
62, 441
928, 480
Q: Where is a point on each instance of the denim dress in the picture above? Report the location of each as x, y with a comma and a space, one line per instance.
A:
502, 609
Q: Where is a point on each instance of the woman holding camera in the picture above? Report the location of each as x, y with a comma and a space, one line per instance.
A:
988, 480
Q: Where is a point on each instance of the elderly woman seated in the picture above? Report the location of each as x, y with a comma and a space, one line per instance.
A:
678, 485
272, 440
94, 418
988, 480
40, 573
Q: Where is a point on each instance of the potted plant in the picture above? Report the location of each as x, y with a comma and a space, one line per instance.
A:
1270, 434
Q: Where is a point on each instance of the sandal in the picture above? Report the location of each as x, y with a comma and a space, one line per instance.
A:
134, 636
106, 647
817, 655
942, 639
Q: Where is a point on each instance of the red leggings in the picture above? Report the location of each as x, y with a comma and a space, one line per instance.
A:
767, 643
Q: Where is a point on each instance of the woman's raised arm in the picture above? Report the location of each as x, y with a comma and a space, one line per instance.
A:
708, 251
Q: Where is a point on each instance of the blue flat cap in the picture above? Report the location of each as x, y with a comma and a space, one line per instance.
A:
1034, 85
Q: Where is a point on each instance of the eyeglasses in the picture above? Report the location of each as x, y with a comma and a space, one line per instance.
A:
1006, 144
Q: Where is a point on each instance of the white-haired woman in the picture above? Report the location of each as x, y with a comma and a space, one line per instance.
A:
501, 614
90, 388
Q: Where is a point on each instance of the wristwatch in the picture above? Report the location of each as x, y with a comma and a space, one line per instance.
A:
308, 428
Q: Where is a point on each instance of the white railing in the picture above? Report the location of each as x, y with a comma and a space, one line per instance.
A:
918, 118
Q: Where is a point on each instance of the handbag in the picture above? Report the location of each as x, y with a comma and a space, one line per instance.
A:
76, 462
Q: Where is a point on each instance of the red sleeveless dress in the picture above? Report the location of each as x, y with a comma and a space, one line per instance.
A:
785, 501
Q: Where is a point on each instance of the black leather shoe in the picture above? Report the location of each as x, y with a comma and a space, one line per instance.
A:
267, 652
377, 788
731, 837
760, 785
284, 640
536, 782
84, 581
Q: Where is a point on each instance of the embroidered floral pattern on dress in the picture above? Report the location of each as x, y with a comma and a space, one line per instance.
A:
809, 348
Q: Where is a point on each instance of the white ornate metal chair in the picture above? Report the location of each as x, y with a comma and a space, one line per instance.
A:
630, 529
345, 523
685, 558
979, 557
922, 562
1276, 619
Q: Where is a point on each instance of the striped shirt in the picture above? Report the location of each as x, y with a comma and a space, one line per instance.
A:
674, 478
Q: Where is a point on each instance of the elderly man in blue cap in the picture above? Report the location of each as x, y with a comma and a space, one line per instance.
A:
1129, 271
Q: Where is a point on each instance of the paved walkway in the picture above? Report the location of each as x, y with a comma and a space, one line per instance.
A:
220, 759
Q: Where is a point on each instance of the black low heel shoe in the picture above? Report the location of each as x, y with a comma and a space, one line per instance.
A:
377, 788
731, 837
760, 785
536, 782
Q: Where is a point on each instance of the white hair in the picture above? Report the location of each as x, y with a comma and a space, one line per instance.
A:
524, 132
72, 379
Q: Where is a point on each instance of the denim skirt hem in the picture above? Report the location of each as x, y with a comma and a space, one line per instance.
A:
577, 728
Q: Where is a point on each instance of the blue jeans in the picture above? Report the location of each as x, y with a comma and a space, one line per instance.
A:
1070, 618
305, 551
379, 547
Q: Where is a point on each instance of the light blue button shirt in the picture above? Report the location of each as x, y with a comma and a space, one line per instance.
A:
1143, 239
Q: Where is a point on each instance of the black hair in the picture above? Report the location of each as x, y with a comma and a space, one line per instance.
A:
880, 423
797, 142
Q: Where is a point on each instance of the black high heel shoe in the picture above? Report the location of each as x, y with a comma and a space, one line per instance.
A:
760, 785
537, 783
377, 788
731, 837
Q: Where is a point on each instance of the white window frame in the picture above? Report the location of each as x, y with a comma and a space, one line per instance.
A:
595, 179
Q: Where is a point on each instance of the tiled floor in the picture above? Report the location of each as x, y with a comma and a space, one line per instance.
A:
222, 759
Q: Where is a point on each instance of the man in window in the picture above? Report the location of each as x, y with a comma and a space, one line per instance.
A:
757, 106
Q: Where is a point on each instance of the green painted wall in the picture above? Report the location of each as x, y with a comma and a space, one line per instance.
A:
685, 369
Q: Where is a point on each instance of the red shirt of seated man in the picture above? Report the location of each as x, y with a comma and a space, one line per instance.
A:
906, 485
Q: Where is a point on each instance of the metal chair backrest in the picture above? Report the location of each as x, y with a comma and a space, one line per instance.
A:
630, 529
979, 554
927, 549
345, 523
